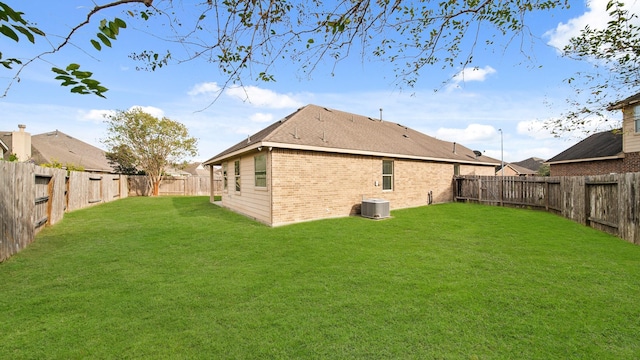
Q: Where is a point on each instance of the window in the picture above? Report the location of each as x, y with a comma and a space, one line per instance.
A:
456, 169
237, 174
387, 175
636, 118
260, 162
225, 180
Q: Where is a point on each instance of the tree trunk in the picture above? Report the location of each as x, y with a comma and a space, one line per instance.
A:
156, 187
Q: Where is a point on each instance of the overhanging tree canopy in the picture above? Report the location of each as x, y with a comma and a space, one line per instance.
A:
245, 39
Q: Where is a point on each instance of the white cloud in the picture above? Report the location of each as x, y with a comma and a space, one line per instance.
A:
261, 117
596, 17
94, 115
471, 134
470, 74
204, 88
263, 97
156, 112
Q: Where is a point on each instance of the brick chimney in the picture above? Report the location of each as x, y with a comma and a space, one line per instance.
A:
21, 143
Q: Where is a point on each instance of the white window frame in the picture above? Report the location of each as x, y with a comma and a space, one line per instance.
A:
236, 172
225, 176
389, 176
260, 175
636, 119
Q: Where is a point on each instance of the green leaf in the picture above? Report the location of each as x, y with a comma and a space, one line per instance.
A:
80, 89
36, 31
26, 33
96, 45
120, 23
106, 31
6, 31
114, 30
82, 74
90, 83
59, 71
72, 67
104, 39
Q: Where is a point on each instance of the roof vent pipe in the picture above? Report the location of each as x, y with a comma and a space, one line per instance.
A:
380, 114
454, 147
248, 139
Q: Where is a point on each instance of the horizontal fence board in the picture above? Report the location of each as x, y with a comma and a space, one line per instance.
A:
139, 185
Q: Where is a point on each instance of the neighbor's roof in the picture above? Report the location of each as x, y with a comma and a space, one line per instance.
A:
600, 146
321, 129
520, 170
532, 163
65, 149
626, 102
196, 168
5, 137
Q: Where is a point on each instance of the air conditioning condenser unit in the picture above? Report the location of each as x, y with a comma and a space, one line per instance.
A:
375, 208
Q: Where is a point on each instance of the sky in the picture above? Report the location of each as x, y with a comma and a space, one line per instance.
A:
498, 108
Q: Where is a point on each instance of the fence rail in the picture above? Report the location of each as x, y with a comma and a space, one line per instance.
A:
178, 185
33, 196
609, 203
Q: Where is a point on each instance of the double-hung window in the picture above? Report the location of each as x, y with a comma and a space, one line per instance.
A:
236, 165
387, 175
636, 118
225, 178
260, 166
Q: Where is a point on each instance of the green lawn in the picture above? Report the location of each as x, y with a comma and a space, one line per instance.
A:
177, 277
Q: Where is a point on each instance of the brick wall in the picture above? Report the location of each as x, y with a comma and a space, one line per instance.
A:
311, 185
630, 163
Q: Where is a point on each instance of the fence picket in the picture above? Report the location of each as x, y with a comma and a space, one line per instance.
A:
606, 202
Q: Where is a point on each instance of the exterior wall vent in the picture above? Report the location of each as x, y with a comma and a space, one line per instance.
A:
375, 208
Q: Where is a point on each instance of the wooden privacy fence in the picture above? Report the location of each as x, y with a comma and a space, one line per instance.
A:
609, 203
175, 185
32, 196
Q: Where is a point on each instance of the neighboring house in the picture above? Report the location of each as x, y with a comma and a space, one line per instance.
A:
197, 169
4, 149
512, 169
613, 151
321, 163
55, 146
527, 167
532, 163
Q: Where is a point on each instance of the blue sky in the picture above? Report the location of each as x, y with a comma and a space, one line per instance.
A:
507, 91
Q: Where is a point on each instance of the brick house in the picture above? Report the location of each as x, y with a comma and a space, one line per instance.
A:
613, 151
321, 163
54, 146
512, 169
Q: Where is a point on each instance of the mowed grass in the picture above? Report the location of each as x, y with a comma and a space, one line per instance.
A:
177, 277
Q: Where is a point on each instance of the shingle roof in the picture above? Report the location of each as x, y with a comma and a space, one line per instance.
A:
65, 149
520, 170
600, 145
322, 129
5, 137
532, 163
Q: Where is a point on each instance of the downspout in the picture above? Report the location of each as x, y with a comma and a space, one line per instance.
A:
270, 184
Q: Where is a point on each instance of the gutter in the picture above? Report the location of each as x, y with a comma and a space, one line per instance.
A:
614, 157
268, 144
